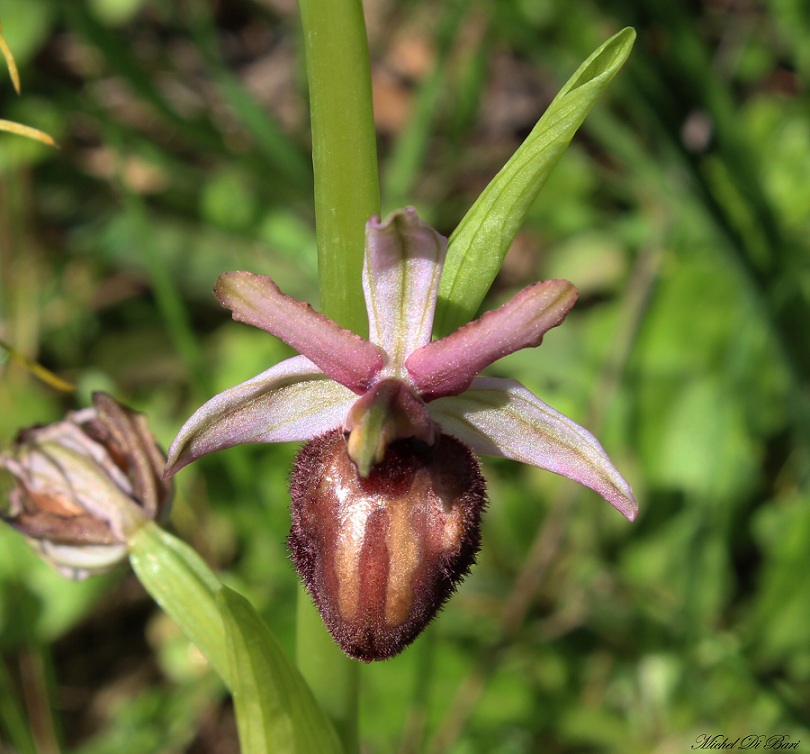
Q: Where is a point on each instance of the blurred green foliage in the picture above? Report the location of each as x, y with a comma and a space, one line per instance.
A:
681, 212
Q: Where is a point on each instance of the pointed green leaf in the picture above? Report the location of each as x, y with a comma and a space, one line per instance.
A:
184, 586
480, 242
275, 710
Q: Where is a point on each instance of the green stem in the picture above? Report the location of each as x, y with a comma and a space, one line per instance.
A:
347, 194
344, 151
333, 677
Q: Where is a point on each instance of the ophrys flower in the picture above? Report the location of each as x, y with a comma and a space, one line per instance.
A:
387, 495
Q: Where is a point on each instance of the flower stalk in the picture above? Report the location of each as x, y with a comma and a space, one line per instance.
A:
344, 150
344, 156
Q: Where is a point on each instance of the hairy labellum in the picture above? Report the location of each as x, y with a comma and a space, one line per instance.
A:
381, 554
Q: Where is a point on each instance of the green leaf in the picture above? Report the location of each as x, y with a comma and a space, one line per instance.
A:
275, 709
480, 242
185, 587
780, 612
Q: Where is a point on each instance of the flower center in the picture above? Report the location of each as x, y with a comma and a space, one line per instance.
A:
389, 411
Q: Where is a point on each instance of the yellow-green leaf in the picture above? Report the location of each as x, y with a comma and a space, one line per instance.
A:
182, 584
275, 710
481, 240
12, 66
27, 131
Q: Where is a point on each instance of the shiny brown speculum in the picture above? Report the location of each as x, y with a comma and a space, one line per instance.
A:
380, 555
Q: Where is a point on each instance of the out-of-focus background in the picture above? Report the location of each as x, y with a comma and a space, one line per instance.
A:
681, 212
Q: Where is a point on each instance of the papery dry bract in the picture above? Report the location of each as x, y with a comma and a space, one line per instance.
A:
84, 484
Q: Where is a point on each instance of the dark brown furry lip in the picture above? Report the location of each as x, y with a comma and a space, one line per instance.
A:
381, 555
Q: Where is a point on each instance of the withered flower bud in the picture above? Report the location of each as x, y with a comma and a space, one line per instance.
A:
381, 554
84, 484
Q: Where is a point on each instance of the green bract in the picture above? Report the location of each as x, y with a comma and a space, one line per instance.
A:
274, 707
480, 242
275, 710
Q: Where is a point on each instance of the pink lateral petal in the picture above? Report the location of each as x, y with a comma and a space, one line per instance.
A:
448, 366
292, 401
345, 357
403, 264
502, 418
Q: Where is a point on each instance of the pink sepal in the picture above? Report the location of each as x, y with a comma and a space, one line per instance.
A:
448, 366
345, 357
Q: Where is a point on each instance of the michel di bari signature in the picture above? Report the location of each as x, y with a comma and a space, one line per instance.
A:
717, 741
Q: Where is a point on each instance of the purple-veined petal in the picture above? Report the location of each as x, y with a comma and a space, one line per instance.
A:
448, 366
502, 418
292, 401
403, 264
345, 357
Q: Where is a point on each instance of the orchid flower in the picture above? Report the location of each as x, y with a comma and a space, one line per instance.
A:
387, 495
